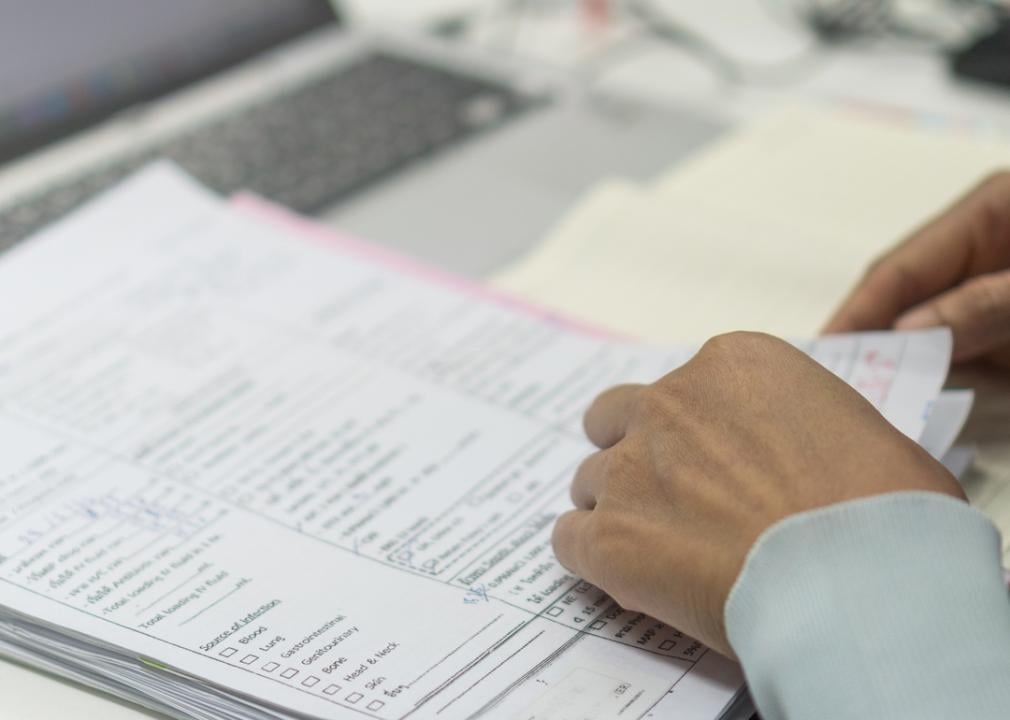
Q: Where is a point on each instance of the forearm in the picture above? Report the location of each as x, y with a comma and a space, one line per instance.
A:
887, 607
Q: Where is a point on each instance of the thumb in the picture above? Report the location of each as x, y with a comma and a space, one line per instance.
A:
977, 312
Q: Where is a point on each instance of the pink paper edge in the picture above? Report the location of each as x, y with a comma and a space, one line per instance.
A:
262, 209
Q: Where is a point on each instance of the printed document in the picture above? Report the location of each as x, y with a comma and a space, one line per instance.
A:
301, 478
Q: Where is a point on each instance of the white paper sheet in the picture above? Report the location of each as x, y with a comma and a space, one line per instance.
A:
309, 474
946, 420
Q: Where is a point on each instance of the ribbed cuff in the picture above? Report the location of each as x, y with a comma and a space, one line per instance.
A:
885, 607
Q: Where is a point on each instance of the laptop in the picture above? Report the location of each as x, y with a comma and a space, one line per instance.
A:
452, 154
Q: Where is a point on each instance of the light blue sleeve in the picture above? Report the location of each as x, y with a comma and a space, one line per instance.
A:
886, 607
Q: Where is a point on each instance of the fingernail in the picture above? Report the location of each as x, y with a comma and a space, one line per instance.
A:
918, 318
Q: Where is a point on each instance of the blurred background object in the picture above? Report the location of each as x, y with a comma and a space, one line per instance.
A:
322, 119
59, 72
738, 56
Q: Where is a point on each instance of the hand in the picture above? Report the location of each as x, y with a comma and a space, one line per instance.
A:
693, 468
955, 271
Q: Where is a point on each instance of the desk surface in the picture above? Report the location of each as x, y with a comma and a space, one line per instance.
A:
914, 82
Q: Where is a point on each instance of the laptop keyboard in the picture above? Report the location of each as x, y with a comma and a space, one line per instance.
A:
310, 146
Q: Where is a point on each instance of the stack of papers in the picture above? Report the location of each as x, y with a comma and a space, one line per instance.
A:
251, 469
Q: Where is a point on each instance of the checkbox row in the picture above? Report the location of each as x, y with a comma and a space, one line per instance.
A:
310, 681
557, 610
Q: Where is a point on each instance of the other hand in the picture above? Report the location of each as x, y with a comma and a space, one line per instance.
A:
955, 271
693, 468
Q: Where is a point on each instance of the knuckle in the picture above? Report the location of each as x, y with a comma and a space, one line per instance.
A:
738, 351
654, 403
724, 344
739, 342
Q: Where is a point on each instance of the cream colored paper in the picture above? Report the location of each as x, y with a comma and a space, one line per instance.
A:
766, 230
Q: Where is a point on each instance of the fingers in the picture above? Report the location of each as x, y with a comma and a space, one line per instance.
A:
588, 481
978, 314
570, 539
971, 238
607, 418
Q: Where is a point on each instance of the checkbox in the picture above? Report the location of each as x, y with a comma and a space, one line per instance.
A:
354, 697
375, 704
228, 652
667, 645
598, 625
289, 673
310, 681
249, 659
271, 666
331, 690
555, 611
